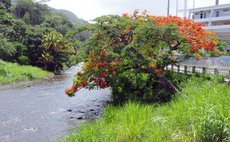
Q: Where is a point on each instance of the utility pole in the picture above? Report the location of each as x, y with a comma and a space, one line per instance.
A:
185, 8
217, 2
168, 8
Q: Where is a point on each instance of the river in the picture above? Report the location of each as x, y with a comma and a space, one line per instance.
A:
42, 112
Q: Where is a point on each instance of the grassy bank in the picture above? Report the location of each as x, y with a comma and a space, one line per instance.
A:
200, 113
11, 73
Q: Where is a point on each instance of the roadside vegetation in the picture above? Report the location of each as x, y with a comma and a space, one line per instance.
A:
129, 54
12, 73
199, 113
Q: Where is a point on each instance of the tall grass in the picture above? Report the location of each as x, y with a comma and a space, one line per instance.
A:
12, 72
200, 113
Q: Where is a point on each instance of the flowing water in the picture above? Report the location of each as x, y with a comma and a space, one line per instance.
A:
42, 112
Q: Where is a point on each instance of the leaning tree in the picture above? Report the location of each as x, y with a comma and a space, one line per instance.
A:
129, 53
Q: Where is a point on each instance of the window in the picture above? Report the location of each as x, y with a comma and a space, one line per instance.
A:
205, 15
217, 13
201, 14
225, 10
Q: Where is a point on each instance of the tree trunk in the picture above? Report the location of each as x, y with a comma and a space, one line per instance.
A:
167, 84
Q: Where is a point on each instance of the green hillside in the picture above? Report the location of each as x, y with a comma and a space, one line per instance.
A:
72, 17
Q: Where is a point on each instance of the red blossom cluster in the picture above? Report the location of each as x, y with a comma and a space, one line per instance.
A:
106, 68
193, 32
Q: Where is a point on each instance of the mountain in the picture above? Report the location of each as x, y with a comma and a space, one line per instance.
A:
72, 17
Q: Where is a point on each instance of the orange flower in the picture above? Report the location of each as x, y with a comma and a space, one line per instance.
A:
198, 58
80, 73
102, 52
101, 64
125, 14
116, 62
103, 74
91, 54
135, 13
158, 71
74, 88
102, 84
84, 83
67, 91
128, 28
152, 65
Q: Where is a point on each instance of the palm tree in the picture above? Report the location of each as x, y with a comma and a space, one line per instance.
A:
56, 51
53, 41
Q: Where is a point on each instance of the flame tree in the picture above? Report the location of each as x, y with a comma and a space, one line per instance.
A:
130, 52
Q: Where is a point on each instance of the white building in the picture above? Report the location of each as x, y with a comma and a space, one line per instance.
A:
215, 17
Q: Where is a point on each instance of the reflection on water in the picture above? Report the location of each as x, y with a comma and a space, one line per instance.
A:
39, 113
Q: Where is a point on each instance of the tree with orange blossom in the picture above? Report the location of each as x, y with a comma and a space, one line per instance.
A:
129, 53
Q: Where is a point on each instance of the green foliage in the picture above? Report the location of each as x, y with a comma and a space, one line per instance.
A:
23, 35
26, 18
135, 86
7, 49
23, 60
59, 22
199, 113
70, 15
5, 5
215, 127
12, 72
32, 12
56, 51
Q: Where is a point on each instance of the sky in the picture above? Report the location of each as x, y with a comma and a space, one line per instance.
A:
90, 9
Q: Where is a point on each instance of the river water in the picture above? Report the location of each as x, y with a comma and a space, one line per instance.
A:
42, 112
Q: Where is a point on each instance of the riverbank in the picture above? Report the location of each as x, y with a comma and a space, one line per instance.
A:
11, 73
199, 113
43, 113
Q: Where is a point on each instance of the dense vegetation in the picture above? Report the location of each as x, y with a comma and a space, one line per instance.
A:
12, 72
199, 113
32, 34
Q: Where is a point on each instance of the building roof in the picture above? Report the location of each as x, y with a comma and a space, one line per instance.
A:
223, 6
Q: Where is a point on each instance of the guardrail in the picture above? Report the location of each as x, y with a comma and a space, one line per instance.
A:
189, 69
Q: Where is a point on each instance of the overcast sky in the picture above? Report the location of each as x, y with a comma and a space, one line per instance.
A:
90, 9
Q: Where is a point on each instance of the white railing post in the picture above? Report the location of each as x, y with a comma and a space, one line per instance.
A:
210, 17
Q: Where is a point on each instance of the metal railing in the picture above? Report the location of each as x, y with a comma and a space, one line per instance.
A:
190, 69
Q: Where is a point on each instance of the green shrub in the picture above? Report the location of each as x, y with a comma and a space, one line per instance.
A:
23, 60
7, 49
